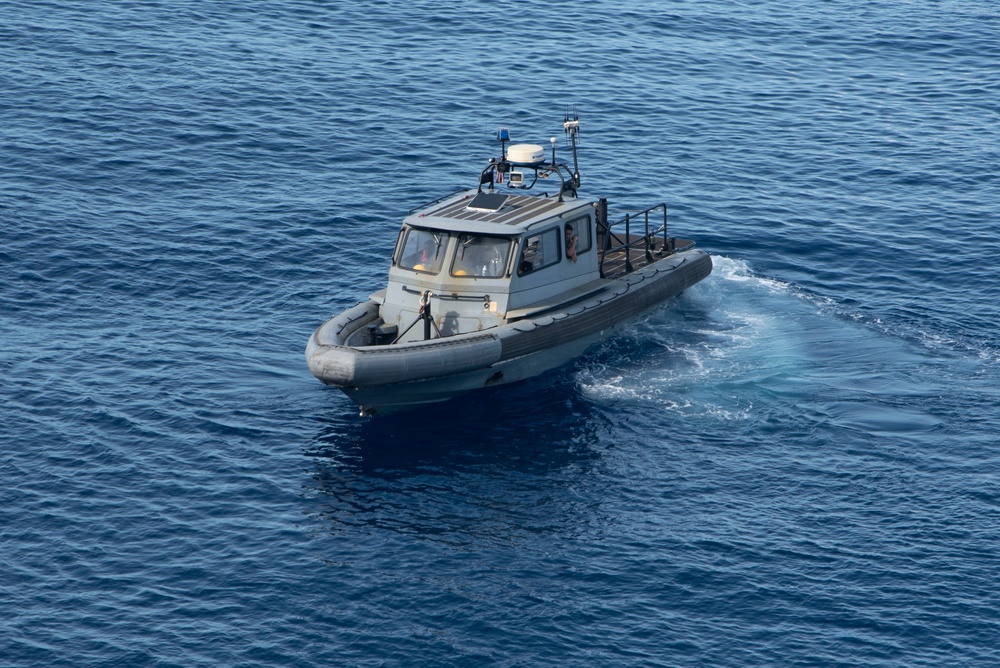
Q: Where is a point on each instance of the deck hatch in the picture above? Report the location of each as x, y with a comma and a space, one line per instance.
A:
487, 202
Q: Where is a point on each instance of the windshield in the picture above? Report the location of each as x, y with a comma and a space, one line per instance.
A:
423, 250
478, 255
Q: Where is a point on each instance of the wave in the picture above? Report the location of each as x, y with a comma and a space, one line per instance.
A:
739, 345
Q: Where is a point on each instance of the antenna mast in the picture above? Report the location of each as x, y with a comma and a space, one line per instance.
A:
572, 127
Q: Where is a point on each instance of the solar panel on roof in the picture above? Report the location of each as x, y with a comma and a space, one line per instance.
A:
487, 202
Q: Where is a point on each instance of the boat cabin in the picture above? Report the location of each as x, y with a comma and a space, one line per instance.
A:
479, 260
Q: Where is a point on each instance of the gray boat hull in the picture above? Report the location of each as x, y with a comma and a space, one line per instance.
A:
387, 378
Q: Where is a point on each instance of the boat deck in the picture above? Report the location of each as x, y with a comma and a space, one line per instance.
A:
619, 257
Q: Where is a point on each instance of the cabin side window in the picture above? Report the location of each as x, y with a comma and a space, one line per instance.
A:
423, 250
480, 255
539, 251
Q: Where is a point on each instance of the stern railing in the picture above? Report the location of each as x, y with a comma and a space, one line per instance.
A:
646, 244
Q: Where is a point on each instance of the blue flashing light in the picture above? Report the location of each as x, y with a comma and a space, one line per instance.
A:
503, 134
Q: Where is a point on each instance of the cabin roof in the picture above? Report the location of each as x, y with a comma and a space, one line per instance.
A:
515, 214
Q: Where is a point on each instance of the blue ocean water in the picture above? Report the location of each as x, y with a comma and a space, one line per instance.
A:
795, 463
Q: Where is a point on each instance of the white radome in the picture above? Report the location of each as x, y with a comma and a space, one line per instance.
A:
526, 155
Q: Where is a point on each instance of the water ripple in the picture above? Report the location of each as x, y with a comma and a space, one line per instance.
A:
793, 463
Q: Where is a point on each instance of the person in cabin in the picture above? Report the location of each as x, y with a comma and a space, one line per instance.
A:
571, 240
427, 258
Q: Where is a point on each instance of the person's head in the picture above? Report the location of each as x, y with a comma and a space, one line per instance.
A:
569, 230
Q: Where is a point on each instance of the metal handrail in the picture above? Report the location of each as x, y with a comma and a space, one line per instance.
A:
628, 244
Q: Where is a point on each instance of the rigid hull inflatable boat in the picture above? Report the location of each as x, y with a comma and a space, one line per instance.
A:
489, 287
